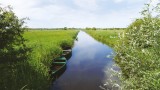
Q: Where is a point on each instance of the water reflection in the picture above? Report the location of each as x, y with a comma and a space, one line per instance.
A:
85, 69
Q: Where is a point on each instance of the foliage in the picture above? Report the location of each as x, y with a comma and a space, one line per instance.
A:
65, 43
12, 45
137, 23
65, 28
93, 28
138, 52
88, 28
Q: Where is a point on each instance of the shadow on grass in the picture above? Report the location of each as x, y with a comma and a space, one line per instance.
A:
14, 55
18, 74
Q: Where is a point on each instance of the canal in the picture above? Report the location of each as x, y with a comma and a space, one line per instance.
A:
86, 69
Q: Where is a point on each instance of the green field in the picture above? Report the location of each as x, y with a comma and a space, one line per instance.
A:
108, 37
33, 73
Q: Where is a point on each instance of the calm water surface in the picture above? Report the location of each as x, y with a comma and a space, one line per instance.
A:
86, 68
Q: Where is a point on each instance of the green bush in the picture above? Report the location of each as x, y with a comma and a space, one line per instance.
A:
64, 44
137, 23
138, 52
12, 45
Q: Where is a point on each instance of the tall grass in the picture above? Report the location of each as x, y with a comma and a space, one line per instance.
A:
33, 73
108, 37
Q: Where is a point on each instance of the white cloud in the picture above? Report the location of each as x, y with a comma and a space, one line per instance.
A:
128, 1
87, 4
56, 13
117, 1
21, 7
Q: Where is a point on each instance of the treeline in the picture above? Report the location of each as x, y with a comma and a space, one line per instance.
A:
94, 28
65, 28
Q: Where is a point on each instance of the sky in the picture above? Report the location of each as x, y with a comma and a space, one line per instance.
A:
77, 13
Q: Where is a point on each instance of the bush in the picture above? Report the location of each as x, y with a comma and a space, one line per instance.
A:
138, 52
137, 23
65, 28
88, 28
12, 45
65, 44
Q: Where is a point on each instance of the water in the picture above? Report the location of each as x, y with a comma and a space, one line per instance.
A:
86, 68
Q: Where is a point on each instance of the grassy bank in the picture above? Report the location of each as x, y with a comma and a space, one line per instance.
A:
108, 37
33, 73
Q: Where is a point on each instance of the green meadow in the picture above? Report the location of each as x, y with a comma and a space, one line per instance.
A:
33, 73
109, 37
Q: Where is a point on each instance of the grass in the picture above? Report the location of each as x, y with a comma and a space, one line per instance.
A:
33, 73
108, 37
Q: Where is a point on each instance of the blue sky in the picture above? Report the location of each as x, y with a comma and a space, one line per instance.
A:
77, 13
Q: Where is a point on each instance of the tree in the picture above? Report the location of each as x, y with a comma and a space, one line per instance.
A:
93, 28
12, 44
65, 28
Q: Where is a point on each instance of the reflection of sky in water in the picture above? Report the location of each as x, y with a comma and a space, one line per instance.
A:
85, 67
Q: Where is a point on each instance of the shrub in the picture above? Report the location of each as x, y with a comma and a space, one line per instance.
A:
138, 52
12, 45
65, 44
137, 23
65, 28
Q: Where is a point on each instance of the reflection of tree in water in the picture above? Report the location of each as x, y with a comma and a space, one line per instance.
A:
112, 81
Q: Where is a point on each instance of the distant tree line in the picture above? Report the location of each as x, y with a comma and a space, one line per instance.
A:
93, 28
65, 28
